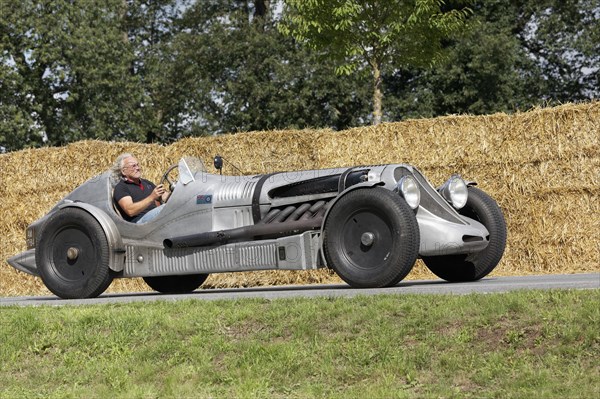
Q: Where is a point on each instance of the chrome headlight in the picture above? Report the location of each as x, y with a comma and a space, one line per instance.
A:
455, 191
409, 189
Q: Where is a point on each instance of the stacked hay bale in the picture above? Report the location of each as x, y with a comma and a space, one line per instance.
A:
542, 166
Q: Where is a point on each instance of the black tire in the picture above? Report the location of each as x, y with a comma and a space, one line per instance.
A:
73, 256
176, 284
472, 267
393, 230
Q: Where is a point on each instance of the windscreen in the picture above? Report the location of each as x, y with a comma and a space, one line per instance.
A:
189, 169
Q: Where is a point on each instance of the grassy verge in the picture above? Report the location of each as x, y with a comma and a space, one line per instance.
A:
523, 344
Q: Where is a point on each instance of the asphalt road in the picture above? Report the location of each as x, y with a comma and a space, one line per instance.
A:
487, 285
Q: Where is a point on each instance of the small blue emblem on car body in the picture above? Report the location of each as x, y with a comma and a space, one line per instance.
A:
203, 199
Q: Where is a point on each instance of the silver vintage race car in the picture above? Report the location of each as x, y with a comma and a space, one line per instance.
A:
368, 223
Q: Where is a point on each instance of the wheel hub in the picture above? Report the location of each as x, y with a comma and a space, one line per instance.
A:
367, 239
72, 253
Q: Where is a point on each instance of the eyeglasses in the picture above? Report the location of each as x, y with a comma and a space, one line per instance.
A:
133, 165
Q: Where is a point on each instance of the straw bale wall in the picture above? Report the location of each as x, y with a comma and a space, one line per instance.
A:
542, 166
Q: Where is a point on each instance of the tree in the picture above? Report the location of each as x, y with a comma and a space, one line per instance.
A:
150, 27
18, 127
157, 70
479, 74
518, 54
562, 39
376, 33
68, 67
240, 73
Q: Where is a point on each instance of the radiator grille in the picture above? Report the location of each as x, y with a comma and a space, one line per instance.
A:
433, 202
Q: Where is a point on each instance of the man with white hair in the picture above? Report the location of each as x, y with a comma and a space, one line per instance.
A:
138, 200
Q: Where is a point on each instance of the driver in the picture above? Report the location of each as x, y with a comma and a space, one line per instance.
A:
138, 200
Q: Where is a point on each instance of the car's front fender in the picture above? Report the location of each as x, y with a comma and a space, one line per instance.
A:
367, 184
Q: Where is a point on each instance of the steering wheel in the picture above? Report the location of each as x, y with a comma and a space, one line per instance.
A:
166, 178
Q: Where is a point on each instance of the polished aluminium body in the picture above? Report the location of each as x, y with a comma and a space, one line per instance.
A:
204, 203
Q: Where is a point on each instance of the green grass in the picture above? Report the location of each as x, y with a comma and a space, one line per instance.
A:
517, 345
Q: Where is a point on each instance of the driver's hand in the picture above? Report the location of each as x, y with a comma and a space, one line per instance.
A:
158, 192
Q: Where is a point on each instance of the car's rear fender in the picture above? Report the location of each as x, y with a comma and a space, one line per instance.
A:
113, 236
25, 262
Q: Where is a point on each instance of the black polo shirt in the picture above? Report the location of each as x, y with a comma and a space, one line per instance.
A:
137, 192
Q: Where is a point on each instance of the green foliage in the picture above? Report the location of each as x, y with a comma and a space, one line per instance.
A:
17, 125
374, 31
158, 70
517, 55
247, 76
71, 63
562, 37
514, 345
151, 27
379, 34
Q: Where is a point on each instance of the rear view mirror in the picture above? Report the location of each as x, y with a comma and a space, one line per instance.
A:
218, 161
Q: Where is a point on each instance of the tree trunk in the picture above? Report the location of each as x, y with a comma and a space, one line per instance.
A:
124, 22
262, 13
262, 8
377, 95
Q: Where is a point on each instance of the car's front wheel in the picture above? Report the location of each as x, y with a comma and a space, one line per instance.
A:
73, 256
180, 284
371, 238
472, 267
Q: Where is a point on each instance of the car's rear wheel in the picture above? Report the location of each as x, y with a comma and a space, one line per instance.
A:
371, 238
472, 267
180, 284
73, 256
